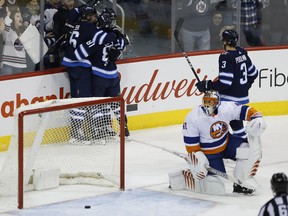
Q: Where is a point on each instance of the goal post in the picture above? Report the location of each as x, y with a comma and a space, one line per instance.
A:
68, 141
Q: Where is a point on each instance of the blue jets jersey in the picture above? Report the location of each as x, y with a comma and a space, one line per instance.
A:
83, 31
97, 52
236, 75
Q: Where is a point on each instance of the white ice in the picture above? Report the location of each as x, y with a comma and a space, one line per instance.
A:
147, 192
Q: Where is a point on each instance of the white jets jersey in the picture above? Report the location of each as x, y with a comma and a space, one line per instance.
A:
14, 53
210, 134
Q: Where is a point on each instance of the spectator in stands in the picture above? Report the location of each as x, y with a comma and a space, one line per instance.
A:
216, 25
51, 7
251, 21
31, 12
31, 15
59, 20
61, 17
2, 26
195, 32
139, 8
278, 12
14, 55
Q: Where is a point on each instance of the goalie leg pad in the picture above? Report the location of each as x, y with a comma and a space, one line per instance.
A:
183, 180
212, 184
248, 159
176, 180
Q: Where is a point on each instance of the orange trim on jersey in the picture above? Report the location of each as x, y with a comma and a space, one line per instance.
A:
250, 113
191, 149
217, 150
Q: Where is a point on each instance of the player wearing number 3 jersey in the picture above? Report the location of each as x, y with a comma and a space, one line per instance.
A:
236, 75
236, 72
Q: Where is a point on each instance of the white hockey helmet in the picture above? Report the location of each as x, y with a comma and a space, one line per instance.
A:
210, 101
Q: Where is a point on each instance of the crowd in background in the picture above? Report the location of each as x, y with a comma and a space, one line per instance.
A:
261, 23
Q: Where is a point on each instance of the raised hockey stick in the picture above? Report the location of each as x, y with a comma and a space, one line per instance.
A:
210, 169
176, 36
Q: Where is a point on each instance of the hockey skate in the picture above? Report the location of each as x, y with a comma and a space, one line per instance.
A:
127, 134
242, 190
109, 132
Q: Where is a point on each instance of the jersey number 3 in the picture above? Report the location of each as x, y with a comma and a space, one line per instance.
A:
243, 69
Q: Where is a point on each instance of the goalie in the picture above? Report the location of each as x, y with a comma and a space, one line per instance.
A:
208, 141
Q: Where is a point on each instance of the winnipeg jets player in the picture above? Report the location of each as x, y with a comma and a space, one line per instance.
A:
236, 75
208, 141
102, 50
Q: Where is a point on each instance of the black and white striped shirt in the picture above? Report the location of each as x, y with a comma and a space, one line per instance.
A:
277, 206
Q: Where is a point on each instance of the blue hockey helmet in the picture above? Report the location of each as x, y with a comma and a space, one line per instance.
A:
107, 18
230, 37
88, 11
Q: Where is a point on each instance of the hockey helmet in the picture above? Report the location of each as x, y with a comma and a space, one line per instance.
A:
210, 101
279, 183
230, 37
88, 11
107, 18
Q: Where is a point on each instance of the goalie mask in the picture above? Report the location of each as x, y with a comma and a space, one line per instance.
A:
107, 18
279, 184
210, 102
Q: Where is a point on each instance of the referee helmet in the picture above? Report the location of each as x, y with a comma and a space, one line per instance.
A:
279, 183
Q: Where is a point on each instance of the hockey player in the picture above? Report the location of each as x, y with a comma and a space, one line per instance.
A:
105, 79
79, 71
208, 141
278, 205
236, 75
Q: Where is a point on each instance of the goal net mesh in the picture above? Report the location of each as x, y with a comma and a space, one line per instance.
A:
79, 137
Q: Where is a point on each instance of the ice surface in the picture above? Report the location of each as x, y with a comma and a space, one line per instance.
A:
147, 191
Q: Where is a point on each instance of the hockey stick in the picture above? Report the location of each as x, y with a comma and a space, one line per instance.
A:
176, 36
210, 169
56, 42
213, 170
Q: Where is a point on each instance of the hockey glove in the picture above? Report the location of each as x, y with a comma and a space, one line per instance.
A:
204, 85
114, 54
197, 166
126, 39
256, 125
118, 31
68, 28
249, 85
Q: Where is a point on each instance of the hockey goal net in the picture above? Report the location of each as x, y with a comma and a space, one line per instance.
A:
69, 141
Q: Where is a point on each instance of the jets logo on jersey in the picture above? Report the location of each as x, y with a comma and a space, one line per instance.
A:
218, 129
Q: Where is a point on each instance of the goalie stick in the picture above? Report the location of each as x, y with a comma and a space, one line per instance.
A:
210, 169
176, 36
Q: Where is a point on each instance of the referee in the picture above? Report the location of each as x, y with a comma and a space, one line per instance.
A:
278, 205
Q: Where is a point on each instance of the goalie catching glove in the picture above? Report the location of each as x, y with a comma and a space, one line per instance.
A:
256, 125
197, 166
